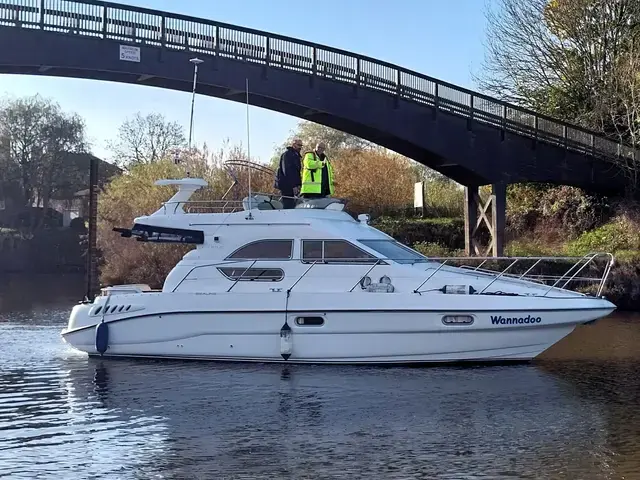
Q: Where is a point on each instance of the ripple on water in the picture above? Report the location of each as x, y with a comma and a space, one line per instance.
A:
65, 416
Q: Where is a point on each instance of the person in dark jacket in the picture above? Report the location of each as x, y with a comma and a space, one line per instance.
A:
288, 179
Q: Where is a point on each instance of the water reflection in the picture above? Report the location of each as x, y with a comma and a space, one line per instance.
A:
30, 293
121, 419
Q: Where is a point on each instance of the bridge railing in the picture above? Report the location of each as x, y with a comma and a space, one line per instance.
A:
142, 26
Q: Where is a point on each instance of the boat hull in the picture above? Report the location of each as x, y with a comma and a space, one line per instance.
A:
358, 337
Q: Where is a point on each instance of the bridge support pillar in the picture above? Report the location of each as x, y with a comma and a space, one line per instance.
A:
482, 217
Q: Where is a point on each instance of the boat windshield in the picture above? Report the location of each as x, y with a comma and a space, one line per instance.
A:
395, 251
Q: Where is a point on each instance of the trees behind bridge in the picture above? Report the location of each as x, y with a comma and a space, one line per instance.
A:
576, 60
146, 139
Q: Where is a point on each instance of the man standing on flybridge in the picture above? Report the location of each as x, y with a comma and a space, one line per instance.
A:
317, 174
288, 174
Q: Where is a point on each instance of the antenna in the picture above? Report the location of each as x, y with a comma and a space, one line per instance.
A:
248, 145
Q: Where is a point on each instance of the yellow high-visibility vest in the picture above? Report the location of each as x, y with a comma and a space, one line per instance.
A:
312, 174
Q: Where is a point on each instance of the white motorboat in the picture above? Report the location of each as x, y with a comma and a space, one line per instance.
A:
314, 285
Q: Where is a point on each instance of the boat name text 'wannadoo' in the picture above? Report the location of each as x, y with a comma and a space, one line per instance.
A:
500, 320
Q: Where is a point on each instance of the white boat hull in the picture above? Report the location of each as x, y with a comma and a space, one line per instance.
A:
373, 336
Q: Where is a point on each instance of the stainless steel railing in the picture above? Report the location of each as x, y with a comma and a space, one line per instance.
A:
482, 278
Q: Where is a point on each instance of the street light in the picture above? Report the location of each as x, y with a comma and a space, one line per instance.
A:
196, 61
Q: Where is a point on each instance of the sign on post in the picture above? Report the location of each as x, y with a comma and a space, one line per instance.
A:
418, 197
129, 53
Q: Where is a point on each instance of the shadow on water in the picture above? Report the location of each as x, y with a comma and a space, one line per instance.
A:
33, 292
573, 414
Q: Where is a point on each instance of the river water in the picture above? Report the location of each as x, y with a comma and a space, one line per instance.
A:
573, 414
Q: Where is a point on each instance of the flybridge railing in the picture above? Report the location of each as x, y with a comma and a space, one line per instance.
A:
583, 273
259, 201
142, 26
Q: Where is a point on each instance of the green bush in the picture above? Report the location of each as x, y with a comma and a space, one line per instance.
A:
447, 232
623, 286
444, 199
621, 234
541, 207
530, 248
431, 249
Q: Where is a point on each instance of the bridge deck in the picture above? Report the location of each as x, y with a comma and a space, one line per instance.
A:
478, 115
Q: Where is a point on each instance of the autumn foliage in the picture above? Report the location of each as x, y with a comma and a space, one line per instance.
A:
374, 182
134, 194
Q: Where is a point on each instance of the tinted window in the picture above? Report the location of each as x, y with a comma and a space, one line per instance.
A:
265, 250
394, 251
312, 250
341, 250
334, 251
252, 274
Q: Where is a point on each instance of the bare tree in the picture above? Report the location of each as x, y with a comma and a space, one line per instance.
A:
37, 137
146, 139
573, 59
335, 140
556, 56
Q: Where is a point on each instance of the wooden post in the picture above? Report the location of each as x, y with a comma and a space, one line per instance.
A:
470, 217
92, 268
498, 217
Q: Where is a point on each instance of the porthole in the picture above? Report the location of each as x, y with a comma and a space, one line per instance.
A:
98, 310
310, 321
457, 319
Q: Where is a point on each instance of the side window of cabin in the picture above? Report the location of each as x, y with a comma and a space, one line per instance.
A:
252, 274
312, 250
334, 251
264, 250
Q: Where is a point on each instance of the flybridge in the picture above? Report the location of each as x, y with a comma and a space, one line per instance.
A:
180, 203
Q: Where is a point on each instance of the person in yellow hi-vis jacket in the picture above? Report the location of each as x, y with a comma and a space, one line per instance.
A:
317, 174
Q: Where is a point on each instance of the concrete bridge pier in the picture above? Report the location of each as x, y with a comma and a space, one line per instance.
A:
480, 216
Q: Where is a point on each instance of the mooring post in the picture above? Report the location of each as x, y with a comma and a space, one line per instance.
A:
92, 269
470, 217
498, 217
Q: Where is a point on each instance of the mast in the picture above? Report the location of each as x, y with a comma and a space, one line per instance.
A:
249, 148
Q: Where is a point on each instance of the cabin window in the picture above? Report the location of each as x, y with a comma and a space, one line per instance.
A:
265, 250
395, 251
252, 274
334, 251
312, 250
151, 233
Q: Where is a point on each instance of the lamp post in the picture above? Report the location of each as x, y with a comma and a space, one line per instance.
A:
196, 61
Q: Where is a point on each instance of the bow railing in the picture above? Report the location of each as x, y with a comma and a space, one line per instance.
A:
136, 26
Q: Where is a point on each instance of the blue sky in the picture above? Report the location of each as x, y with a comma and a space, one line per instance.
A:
440, 38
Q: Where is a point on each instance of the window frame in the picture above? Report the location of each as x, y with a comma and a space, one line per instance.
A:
274, 259
372, 259
241, 277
